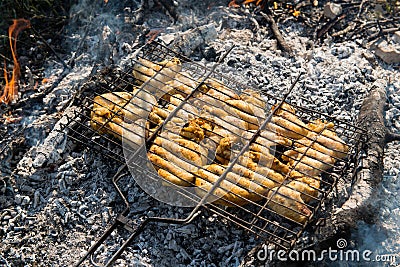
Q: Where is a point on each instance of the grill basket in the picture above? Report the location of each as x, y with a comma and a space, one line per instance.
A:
256, 216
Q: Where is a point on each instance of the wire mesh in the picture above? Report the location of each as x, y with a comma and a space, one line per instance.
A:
260, 169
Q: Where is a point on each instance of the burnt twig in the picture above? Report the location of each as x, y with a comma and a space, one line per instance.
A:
169, 7
352, 25
360, 8
390, 137
140, 12
362, 203
329, 25
275, 30
49, 47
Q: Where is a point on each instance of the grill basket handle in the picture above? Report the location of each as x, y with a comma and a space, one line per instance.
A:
123, 222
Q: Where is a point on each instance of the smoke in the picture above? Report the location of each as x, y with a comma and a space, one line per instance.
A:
99, 30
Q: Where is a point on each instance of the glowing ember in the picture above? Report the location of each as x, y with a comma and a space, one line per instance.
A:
11, 87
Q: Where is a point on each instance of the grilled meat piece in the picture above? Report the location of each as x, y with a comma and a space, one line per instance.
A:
122, 113
127, 106
253, 160
218, 90
181, 84
286, 123
245, 112
155, 75
323, 138
288, 203
234, 189
182, 148
262, 176
224, 152
133, 134
308, 161
122, 105
307, 186
256, 102
267, 139
168, 170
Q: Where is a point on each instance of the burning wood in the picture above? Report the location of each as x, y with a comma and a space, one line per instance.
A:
11, 88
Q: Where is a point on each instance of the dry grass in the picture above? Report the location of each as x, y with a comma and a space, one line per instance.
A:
47, 17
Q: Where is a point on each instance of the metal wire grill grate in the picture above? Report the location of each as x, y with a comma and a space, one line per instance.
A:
155, 128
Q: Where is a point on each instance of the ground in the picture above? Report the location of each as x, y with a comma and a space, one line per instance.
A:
57, 197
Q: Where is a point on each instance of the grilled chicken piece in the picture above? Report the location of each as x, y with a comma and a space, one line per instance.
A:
161, 112
223, 153
178, 157
182, 148
267, 139
321, 150
127, 106
197, 129
253, 160
168, 170
192, 131
233, 125
218, 90
214, 138
232, 190
187, 112
307, 186
218, 109
143, 101
256, 102
173, 178
155, 75
156, 119
286, 123
326, 140
245, 112
262, 176
221, 195
240, 186
181, 84
115, 105
177, 160
119, 113
308, 160
133, 134
288, 203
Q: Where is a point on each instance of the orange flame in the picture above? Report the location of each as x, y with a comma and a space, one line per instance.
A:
11, 87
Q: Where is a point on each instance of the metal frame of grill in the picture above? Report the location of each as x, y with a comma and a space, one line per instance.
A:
256, 217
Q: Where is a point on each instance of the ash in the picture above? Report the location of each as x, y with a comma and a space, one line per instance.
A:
57, 197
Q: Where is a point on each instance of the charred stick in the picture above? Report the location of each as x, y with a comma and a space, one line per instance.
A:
169, 6
49, 47
361, 205
360, 8
351, 27
329, 25
5, 58
381, 33
140, 12
275, 30
390, 137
